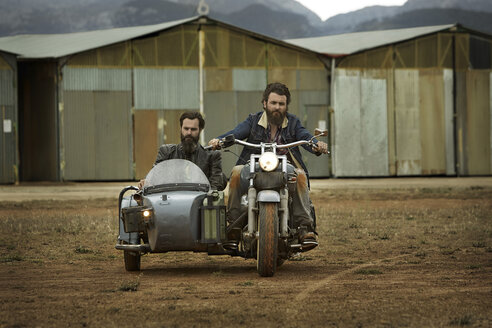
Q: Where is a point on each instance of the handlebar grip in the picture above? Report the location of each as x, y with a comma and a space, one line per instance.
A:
228, 140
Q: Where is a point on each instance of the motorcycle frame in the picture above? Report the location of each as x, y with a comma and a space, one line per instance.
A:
267, 196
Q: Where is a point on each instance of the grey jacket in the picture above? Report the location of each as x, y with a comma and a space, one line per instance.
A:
209, 161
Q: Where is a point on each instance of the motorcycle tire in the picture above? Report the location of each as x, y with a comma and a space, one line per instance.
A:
267, 248
132, 260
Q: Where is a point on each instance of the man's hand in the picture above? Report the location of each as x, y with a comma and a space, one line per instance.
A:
214, 143
141, 184
321, 147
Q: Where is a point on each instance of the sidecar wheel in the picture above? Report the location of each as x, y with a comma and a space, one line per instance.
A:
132, 261
268, 239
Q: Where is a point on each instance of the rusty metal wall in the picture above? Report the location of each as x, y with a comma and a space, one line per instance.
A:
221, 116
374, 135
432, 127
96, 124
361, 138
449, 122
8, 126
346, 143
477, 123
313, 111
407, 123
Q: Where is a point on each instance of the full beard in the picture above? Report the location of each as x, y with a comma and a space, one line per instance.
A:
275, 117
189, 144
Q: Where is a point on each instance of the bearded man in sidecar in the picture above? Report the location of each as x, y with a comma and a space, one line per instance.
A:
210, 162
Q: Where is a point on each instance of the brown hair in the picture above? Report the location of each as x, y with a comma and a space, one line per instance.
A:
192, 116
278, 88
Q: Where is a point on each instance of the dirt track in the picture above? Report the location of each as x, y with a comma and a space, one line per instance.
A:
392, 254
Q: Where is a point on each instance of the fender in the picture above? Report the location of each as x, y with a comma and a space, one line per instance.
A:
268, 196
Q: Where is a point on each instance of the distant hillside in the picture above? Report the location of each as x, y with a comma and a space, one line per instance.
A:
382, 17
282, 19
480, 21
266, 21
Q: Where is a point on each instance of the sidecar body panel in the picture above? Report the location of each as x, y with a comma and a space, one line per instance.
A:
176, 221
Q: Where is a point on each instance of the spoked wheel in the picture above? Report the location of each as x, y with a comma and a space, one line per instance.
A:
267, 240
132, 260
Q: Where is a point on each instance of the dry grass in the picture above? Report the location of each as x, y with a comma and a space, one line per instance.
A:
388, 258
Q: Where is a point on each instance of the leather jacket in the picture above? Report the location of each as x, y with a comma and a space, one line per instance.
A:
209, 161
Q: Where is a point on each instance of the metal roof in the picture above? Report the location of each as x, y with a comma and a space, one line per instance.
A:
349, 43
58, 45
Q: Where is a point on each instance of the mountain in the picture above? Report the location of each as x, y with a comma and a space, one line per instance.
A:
282, 19
436, 12
479, 21
280, 25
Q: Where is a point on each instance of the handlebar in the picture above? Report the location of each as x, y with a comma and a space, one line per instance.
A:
230, 140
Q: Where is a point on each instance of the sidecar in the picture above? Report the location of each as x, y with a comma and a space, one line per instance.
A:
175, 211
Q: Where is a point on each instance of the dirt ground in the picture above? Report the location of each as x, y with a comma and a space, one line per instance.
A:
393, 253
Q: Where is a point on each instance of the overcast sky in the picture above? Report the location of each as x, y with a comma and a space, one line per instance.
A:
329, 8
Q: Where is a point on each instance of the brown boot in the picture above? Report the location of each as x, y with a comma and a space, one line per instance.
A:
308, 240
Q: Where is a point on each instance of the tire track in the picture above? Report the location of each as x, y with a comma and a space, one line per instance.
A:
300, 297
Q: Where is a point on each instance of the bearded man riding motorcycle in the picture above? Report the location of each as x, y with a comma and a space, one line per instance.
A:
275, 124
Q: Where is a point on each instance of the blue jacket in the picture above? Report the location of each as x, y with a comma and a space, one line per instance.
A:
254, 130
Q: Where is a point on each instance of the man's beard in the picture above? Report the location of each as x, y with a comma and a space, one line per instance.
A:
275, 117
189, 143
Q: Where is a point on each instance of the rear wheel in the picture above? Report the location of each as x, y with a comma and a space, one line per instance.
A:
267, 240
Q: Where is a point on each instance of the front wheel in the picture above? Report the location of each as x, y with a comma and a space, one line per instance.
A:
132, 260
268, 239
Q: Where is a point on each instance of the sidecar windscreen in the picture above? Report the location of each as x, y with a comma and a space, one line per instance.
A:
175, 174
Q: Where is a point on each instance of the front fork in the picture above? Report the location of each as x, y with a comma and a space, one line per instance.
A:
283, 213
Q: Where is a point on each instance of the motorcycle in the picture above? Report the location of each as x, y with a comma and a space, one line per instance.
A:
177, 211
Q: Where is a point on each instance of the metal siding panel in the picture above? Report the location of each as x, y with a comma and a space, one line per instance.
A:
461, 94
80, 135
114, 157
449, 121
432, 128
96, 79
146, 141
374, 132
246, 102
248, 79
8, 112
477, 146
313, 106
408, 148
166, 88
218, 79
220, 117
346, 146
313, 80
317, 116
6, 87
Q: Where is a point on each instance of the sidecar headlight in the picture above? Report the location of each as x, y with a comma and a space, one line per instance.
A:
268, 161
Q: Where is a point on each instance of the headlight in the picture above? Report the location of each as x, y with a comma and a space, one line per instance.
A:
268, 161
147, 214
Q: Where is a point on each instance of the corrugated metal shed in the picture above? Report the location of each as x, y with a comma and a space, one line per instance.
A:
58, 45
120, 92
349, 43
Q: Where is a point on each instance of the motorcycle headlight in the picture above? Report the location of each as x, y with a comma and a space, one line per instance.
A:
268, 161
